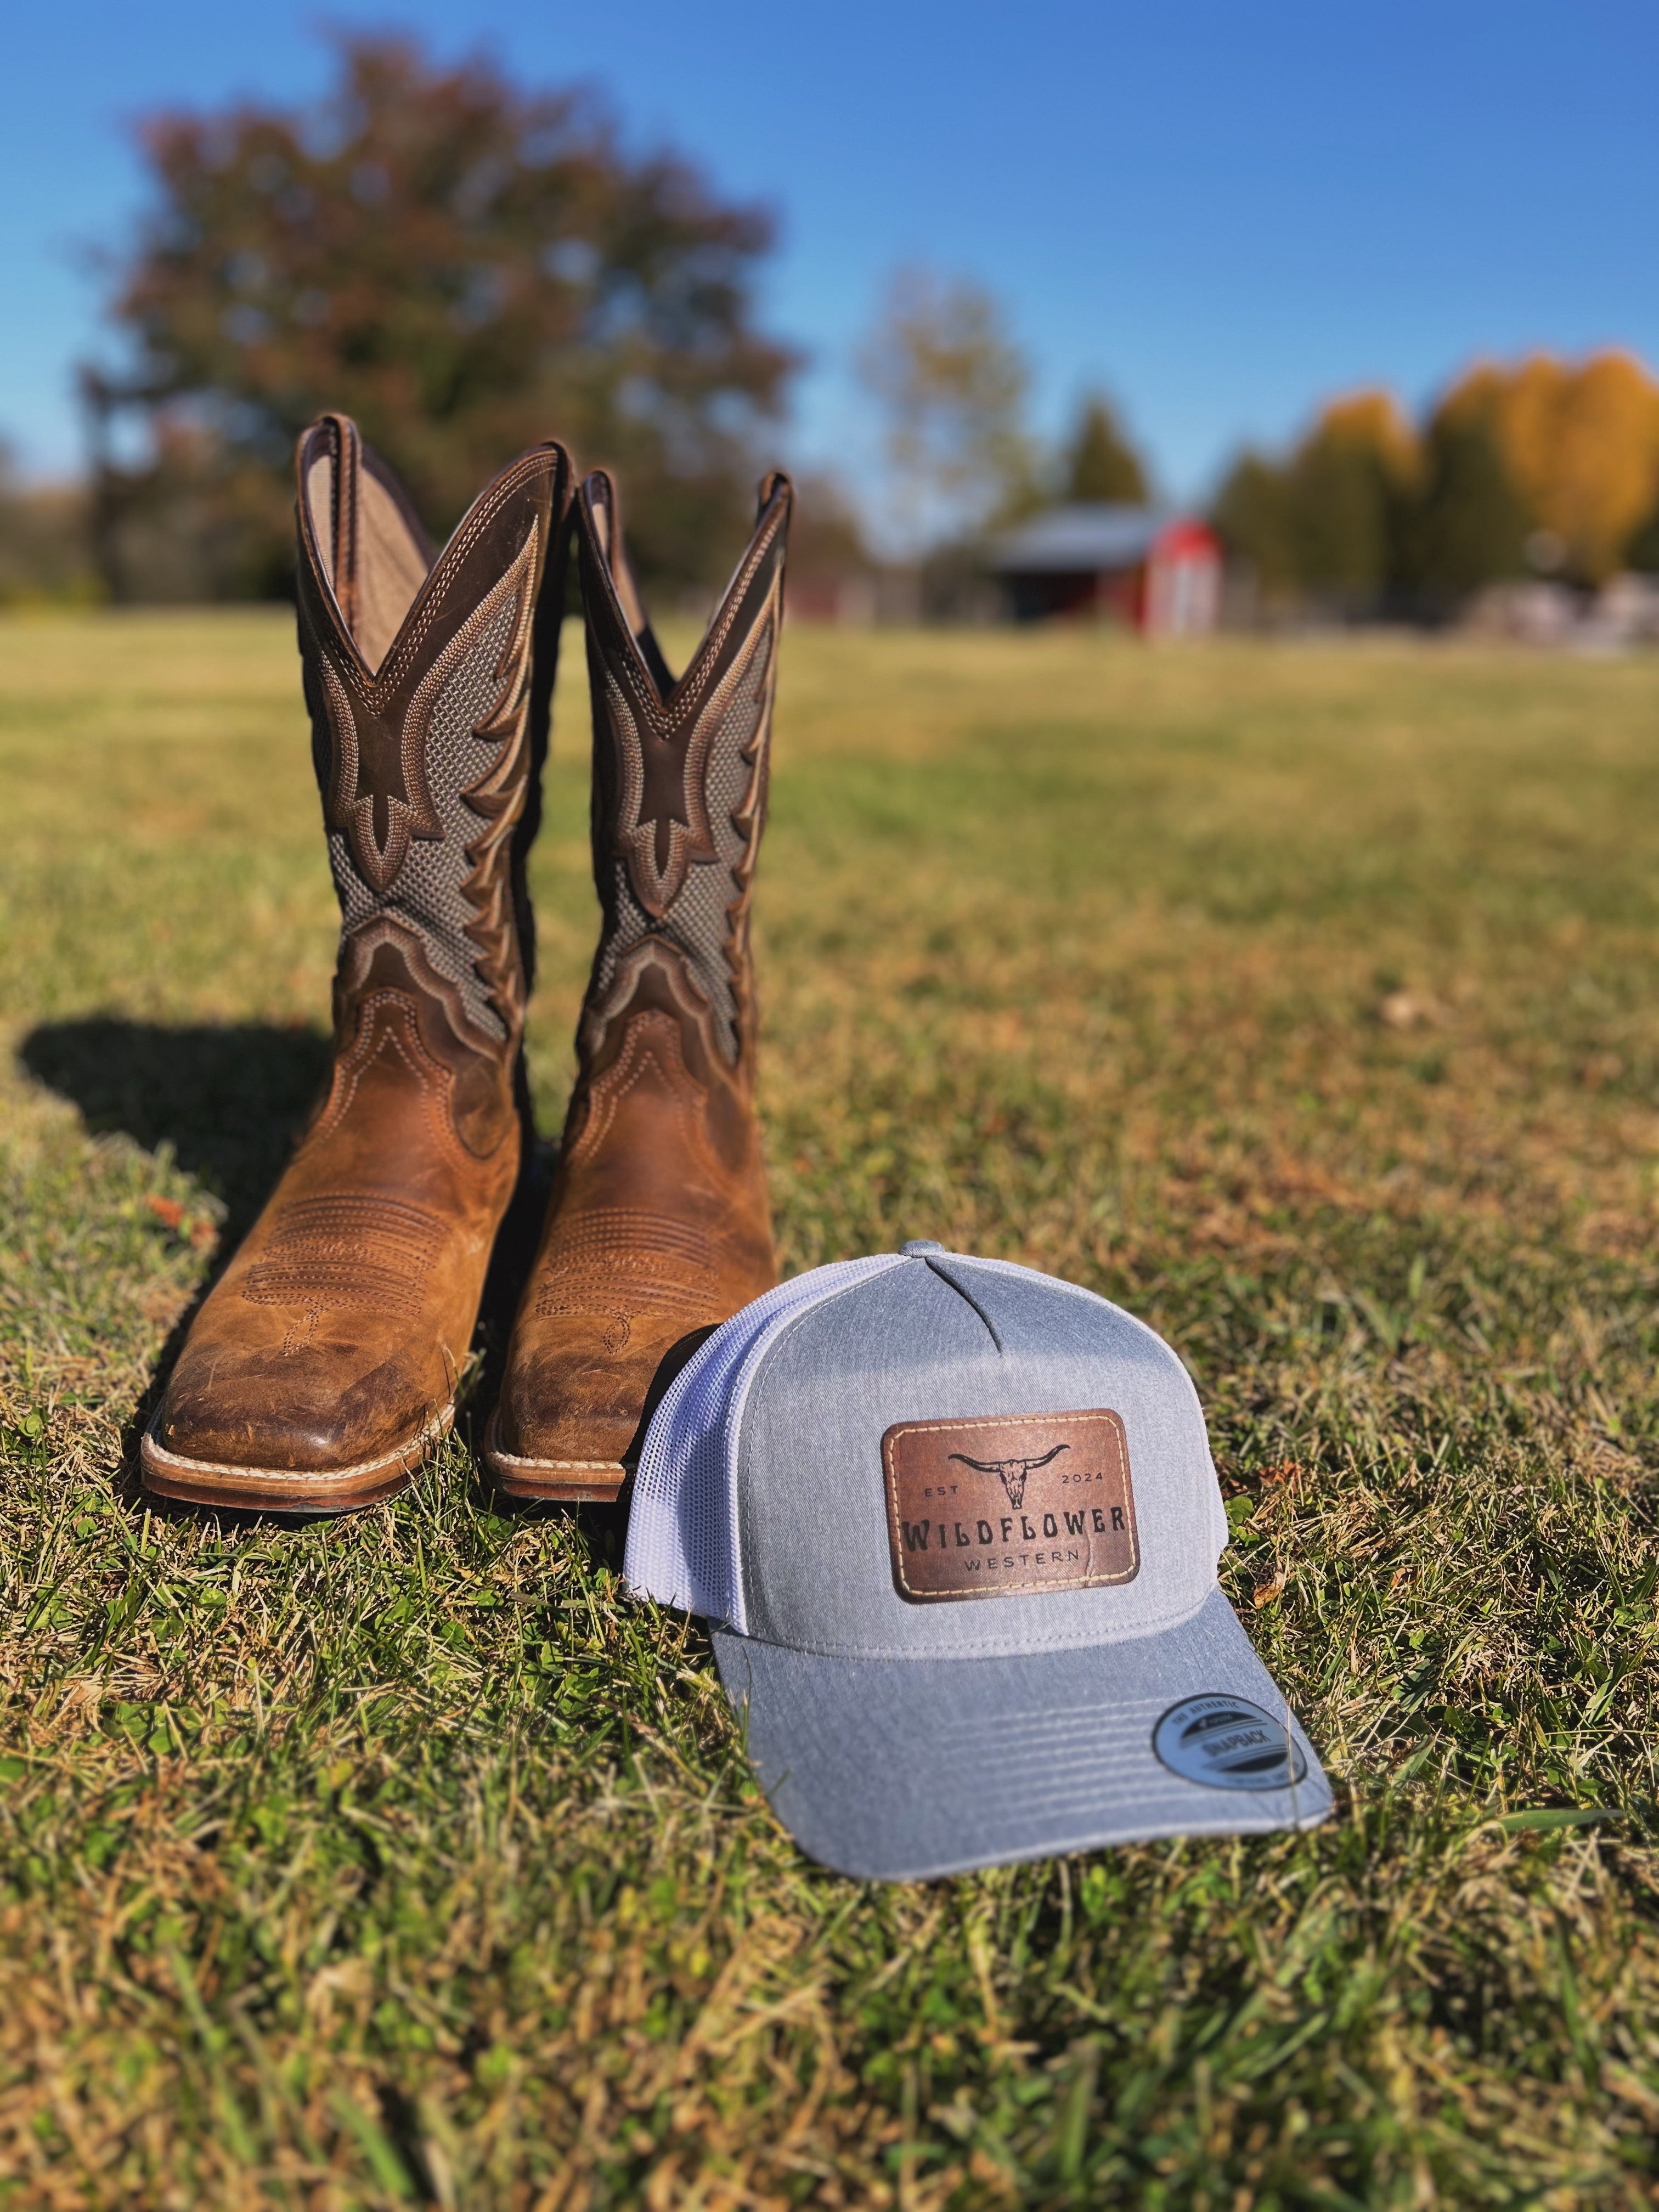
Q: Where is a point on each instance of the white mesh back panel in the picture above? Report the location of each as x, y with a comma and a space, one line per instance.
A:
682, 1526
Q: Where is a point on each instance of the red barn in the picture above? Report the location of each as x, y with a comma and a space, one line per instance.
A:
1157, 574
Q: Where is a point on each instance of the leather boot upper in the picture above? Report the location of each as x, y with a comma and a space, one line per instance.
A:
658, 1223
339, 1329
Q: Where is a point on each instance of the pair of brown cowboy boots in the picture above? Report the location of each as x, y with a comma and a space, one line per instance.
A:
326, 1361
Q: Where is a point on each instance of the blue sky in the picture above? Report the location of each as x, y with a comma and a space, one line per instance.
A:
1219, 212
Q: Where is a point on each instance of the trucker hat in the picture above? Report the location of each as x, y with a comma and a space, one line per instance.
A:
954, 1526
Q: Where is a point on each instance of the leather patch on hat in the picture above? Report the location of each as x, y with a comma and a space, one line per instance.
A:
1001, 1503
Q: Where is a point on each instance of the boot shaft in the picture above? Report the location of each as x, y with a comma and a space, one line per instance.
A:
679, 794
657, 1224
429, 679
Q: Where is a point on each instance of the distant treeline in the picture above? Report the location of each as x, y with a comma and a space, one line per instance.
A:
45, 546
1549, 469
467, 267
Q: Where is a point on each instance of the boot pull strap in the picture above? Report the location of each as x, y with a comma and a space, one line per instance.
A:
608, 531
346, 451
605, 509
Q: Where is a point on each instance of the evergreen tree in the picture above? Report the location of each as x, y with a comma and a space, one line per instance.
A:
1252, 515
1349, 481
1100, 462
1469, 527
1341, 522
1325, 524
1642, 553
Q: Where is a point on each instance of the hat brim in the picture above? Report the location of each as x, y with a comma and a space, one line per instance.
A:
904, 1769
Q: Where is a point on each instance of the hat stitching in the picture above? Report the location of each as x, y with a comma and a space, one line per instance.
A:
1154, 1627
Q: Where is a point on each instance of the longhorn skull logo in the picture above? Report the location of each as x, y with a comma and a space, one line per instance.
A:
1012, 1472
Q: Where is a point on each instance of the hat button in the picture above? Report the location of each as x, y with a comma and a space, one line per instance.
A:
921, 1244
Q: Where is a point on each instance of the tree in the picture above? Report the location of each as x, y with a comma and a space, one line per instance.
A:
1365, 511
952, 383
1642, 552
1100, 462
1252, 515
1469, 525
1580, 445
1349, 480
43, 540
465, 267
1325, 523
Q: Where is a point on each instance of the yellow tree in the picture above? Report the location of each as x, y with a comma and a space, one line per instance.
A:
1580, 442
1375, 423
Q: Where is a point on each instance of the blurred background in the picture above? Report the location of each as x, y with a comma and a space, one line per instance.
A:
1295, 318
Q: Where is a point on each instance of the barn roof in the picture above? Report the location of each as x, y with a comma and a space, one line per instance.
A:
1079, 539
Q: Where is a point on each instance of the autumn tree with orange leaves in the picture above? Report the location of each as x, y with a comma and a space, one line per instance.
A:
1549, 467
1581, 444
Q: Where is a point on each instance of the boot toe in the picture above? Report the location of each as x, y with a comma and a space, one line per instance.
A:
575, 1400
573, 1407
256, 1413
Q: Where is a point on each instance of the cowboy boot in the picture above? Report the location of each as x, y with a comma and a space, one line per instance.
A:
325, 1361
657, 1224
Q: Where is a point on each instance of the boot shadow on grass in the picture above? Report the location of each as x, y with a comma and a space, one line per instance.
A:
228, 1100
230, 1103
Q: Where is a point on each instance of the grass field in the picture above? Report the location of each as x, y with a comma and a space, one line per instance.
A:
1303, 999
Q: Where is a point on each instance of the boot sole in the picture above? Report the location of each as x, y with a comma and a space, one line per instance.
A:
286, 1490
552, 1482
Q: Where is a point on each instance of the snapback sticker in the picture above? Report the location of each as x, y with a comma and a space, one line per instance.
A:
1005, 1503
1228, 1743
